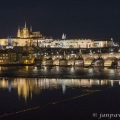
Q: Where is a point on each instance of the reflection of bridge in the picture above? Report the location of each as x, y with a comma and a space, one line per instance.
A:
81, 57
27, 86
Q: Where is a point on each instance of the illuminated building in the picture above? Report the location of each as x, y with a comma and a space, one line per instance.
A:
27, 46
7, 56
25, 33
26, 37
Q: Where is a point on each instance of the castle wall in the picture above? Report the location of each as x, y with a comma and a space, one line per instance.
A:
71, 43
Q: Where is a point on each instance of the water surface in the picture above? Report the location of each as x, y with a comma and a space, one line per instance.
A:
23, 93
25, 87
60, 72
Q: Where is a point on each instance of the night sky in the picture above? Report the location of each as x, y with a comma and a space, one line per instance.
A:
96, 19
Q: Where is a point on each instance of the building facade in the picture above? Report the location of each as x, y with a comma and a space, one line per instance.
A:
26, 37
25, 33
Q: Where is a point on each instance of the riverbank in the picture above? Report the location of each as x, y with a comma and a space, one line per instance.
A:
16, 65
100, 67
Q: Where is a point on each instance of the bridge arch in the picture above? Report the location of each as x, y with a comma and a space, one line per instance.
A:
71, 62
109, 60
56, 62
71, 46
88, 61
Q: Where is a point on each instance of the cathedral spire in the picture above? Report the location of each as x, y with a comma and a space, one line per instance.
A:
64, 36
30, 28
25, 24
18, 33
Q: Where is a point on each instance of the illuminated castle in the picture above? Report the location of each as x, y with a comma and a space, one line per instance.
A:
26, 37
25, 33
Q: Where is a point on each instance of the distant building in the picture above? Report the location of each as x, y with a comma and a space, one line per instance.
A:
26, 37
7, 56
25, 33
9, 46
63, 36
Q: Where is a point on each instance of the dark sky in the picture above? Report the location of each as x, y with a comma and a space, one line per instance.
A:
97, 19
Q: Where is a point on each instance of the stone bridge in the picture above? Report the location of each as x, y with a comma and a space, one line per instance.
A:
110, 58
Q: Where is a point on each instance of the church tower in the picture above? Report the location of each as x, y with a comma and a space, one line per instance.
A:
64, 36
30, 33
31, 29
18, 33
25, 24
25, 31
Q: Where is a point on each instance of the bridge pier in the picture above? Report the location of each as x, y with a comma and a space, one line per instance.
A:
118, 63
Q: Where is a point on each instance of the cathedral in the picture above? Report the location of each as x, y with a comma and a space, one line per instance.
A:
26, 37
25, 33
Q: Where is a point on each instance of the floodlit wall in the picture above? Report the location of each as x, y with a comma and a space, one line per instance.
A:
69, 43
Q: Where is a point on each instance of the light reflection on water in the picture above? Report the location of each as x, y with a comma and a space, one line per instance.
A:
22, 93
58, 72
25, 87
